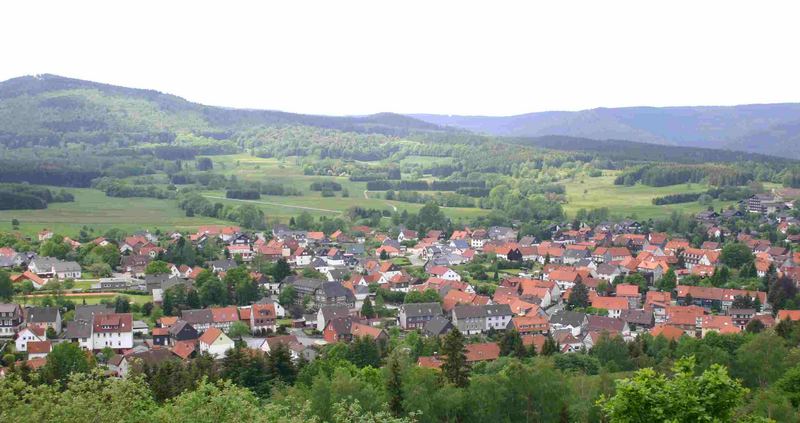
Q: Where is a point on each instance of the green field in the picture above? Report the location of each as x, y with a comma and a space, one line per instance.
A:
91, 299
288, 172
96, 211
629, 201
92, 208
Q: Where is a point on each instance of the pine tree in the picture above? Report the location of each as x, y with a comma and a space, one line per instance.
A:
578, 297
455, 368
550, 347
367, 310
394, 385
511, 345
280, 366
6, 287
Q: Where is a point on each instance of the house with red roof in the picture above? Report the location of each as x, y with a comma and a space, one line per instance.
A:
629, 292
262, 318
114, 330
531, 324
671, 333
39, 349
614, 305
215, 342
793, 315
444, 272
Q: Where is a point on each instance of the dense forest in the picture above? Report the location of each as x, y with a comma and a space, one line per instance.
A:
24, 196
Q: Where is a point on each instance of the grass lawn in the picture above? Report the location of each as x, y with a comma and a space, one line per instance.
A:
629, 201
92, 208
90, 298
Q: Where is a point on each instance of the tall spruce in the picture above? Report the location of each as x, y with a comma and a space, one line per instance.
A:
511, 345
455, 368
394, 385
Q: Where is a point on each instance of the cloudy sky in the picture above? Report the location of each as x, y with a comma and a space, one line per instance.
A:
450, 57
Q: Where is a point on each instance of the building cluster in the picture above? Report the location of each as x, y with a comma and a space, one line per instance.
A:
350, 269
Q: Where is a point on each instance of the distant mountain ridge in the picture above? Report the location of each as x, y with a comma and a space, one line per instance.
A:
53, 107
762, 128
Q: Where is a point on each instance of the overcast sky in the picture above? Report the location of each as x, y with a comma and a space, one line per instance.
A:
346, 57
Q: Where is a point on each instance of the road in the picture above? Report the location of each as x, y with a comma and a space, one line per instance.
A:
268, 203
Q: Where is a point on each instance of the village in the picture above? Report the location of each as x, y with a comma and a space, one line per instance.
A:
561, 295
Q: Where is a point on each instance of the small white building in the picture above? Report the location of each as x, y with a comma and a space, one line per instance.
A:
215, 343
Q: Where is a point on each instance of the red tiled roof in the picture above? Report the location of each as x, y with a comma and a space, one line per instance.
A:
225, 314
210, 336
667, 331
482, 352
39, 347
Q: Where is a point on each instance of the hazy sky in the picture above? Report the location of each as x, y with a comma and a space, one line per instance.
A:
459, 57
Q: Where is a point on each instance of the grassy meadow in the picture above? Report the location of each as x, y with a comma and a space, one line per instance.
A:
94, 210
588, 193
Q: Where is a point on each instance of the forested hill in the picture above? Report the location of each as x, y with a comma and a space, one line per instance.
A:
50, 110
761, 128
639, 151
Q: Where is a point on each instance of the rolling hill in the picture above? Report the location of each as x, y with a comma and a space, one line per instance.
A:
762, 128
50, 109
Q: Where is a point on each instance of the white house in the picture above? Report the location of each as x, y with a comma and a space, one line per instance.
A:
444, 272
113, 331
29, 334
215, 342
498, 316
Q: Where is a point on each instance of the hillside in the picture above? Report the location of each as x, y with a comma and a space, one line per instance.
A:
761, 128
50, 110
640, 151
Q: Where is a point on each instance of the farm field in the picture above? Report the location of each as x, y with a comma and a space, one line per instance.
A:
628, 201
93, 209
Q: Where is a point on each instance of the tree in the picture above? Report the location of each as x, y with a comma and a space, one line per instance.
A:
6, 287
760, 361
280, 365
238, 330
122, 304
736, 254
384, 255
511, 345
612, 352
100, 270
789, 383
65, 358
204, 163
213, 292
367, 310
280, 270
454, 367
363, 351
287, 296
549, 347
668, 282
250, 216
755, 326
244, 287
394, 385
578, 297
651, 396
156, 267
781, 290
